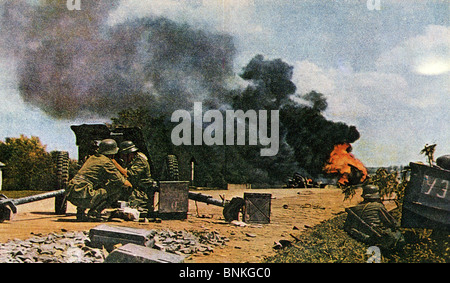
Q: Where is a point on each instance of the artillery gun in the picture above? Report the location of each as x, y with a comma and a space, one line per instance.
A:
61, 174
89, 136
87, 139
174, 194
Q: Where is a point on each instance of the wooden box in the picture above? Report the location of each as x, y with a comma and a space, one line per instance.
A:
257, 208
173, 199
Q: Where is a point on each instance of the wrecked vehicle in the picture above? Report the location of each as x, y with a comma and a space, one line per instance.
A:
427, 198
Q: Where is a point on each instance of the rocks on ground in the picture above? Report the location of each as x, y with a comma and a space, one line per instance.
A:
73, 247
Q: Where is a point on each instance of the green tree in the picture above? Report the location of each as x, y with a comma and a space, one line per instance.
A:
29, 165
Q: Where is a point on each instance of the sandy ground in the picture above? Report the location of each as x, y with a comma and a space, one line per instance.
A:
292, 211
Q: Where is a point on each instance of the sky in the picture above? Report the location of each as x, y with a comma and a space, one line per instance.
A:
384, 66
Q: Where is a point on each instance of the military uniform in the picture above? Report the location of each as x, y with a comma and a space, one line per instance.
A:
98, 184
97, 181
140, 176
378, 227
374, 213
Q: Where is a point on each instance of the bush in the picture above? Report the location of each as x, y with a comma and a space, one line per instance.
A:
28, 165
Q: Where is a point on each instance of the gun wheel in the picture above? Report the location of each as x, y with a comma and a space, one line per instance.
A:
61, 162
233, 208
170, 171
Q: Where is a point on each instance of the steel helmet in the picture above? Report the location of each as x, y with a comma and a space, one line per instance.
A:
127, 147
370, 192
108, 146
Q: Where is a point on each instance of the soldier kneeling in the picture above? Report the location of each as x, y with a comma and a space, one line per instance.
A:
371, 223
137, 169
98, 184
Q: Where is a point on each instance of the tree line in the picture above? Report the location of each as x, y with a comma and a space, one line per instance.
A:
28, 164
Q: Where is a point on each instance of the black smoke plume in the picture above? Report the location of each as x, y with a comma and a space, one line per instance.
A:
306, 135
72, 63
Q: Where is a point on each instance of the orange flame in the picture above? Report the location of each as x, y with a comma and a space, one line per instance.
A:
350, 170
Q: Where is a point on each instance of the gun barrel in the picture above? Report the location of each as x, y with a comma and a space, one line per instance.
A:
206, 199
33, 198
8, 205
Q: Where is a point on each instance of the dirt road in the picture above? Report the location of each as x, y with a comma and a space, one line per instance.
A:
293, 210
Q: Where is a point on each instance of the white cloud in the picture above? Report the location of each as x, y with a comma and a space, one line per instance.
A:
230, 16
131, 9
308, 76
393, 128
351, 95
432, 65
424, 61
426, 54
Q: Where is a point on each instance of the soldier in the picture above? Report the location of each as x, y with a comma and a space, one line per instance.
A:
98, 184
139, 174
371, 223
428, 150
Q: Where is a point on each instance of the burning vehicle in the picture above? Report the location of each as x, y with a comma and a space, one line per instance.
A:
343, 163
298, 181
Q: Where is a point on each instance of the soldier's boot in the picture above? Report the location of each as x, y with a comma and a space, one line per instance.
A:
81, 214
97, 204
95, 213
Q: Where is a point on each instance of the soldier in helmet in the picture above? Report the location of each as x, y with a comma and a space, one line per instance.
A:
138, 171
370, 221
98, 184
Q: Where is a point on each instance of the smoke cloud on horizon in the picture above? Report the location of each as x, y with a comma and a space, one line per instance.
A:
72, 64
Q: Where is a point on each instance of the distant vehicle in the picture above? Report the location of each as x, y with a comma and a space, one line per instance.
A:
299, 181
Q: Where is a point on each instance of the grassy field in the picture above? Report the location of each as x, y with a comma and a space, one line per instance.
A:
328, 242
